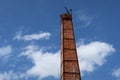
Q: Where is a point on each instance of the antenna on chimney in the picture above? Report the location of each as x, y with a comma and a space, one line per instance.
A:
68, 11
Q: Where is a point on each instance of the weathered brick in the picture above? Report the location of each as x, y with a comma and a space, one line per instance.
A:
69, 61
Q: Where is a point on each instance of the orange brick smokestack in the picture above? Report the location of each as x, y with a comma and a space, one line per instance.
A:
69, 60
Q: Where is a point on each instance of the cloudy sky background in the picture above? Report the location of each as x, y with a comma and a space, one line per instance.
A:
30, 38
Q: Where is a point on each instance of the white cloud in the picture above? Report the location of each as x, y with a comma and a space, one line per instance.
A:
116, 73
35, 36
85, 19
93, 55
46, 64
10, 75
6, 50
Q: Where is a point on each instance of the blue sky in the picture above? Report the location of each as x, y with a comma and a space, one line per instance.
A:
30, 38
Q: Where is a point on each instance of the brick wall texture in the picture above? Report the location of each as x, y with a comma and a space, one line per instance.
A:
69, 61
